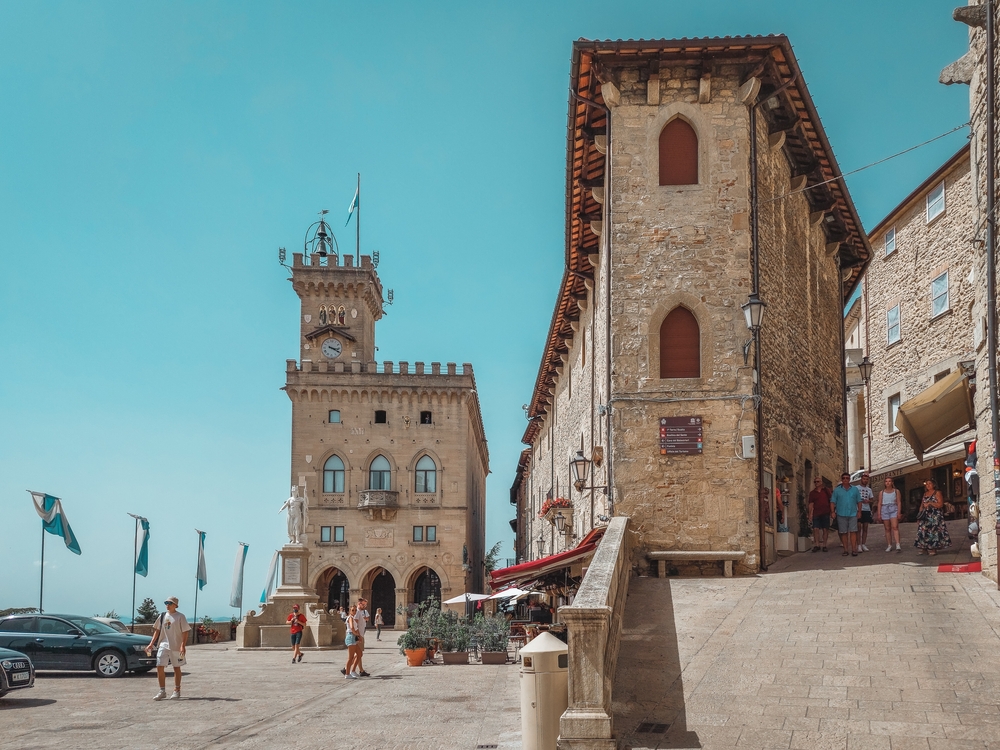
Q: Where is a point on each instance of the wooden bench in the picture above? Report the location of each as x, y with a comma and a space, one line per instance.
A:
726, 556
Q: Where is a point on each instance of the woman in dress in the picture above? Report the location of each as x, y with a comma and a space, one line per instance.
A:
932, 534
887, 508
353, 647
379, 622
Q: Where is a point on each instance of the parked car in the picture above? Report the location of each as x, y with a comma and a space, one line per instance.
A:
118, 625
16, 671
75, 642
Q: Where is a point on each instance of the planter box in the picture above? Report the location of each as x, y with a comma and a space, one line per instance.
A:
415, 656
455, 657
784, 541
805, 544
494, 657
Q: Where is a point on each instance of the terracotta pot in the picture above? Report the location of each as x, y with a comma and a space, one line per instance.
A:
494, 657
455, 657
415, 656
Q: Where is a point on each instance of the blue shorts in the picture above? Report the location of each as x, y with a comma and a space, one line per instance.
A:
296, 638
350, 640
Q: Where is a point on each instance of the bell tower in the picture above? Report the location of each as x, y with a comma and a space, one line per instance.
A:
341, 301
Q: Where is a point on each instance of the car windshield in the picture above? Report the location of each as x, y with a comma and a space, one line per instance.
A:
91, 627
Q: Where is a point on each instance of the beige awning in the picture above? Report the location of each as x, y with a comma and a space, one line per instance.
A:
936, 413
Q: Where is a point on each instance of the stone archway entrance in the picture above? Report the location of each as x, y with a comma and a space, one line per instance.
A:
339, 591
383, 588
425, 586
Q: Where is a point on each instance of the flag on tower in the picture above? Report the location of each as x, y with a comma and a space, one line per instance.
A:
355, 204
142, 542
54, 519
202, 574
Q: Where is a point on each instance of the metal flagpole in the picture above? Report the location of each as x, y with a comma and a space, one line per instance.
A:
357, 225
135, 560
41, 574
194, 629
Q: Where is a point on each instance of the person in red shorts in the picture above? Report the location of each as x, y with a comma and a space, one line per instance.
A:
819, 514
297, 623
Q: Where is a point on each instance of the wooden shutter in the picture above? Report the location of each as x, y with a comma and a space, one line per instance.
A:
678, 154
680, 345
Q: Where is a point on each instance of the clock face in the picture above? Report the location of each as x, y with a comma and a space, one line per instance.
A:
331, 348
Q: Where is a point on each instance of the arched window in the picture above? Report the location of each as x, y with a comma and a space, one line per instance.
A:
380, 474
680, 345
678, 154
333, 475
426, 475
427, 586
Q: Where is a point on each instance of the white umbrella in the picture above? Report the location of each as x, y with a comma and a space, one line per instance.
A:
512, 593
462, 598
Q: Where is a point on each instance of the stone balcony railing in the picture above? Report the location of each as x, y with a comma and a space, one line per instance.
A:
376, 499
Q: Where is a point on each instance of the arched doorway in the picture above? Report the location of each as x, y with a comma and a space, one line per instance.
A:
383, 588
339, 594
426, 585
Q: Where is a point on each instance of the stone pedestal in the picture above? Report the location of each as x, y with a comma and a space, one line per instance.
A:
269, 628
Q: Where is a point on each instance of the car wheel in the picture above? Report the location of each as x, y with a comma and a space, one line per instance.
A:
109, 663
3, 693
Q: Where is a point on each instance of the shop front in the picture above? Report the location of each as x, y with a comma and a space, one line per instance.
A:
946, 467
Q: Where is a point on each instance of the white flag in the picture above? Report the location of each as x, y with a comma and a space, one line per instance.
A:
236, 596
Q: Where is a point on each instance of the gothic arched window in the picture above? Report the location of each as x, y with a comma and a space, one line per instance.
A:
678, 154
680, 345
333, 475
380, 474
426, 475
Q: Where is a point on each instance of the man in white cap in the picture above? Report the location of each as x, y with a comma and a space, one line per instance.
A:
170, 641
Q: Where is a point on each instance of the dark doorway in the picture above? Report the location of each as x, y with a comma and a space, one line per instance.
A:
384, 598
340, 592
427, 586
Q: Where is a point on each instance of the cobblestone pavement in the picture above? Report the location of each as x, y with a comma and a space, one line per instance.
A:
877, 651
246, 699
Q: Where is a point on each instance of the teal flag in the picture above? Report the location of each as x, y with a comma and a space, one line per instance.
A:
355, 204
142, 559
202, 574
272, 576
54, 519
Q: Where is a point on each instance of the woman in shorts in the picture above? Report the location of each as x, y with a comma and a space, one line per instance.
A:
887, 508
351, 671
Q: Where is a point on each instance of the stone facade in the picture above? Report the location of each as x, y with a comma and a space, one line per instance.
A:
361, 531
690, 246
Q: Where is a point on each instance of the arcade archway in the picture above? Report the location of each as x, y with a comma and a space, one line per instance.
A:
338, 590
426, 585
383, 596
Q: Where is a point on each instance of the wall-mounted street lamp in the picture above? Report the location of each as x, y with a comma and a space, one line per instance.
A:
580, 466
753, 311
540, 545
865, 369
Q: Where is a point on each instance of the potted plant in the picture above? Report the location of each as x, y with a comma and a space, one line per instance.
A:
804, 531
415, 641
454, 636
493, 633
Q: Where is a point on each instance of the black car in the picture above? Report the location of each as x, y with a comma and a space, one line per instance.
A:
75, 642
16, 671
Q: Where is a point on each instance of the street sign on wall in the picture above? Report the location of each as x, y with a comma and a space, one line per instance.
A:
680, 436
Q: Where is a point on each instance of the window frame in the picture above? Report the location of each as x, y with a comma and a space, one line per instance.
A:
425, 474
429, 417
381, 417
929, 202
665, 141
889, 327
430, 533
890, 232
338, 535
325, 534
893, 403
330, 418
668, 343
333, 484
418, 533
385, 475
946, 294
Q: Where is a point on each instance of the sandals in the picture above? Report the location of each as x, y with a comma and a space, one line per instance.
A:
824, 549
843, 554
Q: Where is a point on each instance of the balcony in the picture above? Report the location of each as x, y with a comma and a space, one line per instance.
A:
379, 504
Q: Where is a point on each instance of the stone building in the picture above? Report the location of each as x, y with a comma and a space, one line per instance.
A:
918, 300
855, 350
649, 373
392, 457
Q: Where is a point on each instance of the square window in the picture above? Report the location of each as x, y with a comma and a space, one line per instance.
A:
380, 417
890, 241
338, 533
431, 534
334, 417
893, 411
935, 202
418, 533
939, 295
425, 417
892, 324
324, 534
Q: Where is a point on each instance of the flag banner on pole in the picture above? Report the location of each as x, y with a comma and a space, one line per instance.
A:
355, 202
202, 574
272, 575
142, 542
54, 519
236, 596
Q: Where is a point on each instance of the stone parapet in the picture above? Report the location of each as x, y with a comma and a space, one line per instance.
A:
594, 622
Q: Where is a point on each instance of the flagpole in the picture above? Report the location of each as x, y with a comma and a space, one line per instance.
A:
41, 575
135, 559
357, 225
196, 571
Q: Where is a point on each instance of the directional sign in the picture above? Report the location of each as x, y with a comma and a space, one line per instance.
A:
680, 436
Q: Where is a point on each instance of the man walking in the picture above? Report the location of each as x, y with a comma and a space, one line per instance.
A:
867, 496
819, 514
296, 624
847, 504
170, 641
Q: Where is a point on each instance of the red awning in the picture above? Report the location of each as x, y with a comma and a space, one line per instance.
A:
543, 565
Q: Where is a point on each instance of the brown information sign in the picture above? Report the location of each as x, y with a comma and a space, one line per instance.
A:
680, 436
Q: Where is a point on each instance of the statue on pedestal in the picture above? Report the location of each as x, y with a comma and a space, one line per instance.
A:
297, 516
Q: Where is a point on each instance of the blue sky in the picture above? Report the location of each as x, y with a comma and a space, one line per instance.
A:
154, 156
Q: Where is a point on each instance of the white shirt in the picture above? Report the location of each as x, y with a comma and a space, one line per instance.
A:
867, 495
173, 630
362, 616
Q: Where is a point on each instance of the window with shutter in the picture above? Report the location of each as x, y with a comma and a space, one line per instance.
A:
678, 154
680, 345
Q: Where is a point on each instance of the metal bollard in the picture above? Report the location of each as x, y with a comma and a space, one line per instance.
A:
544, 691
